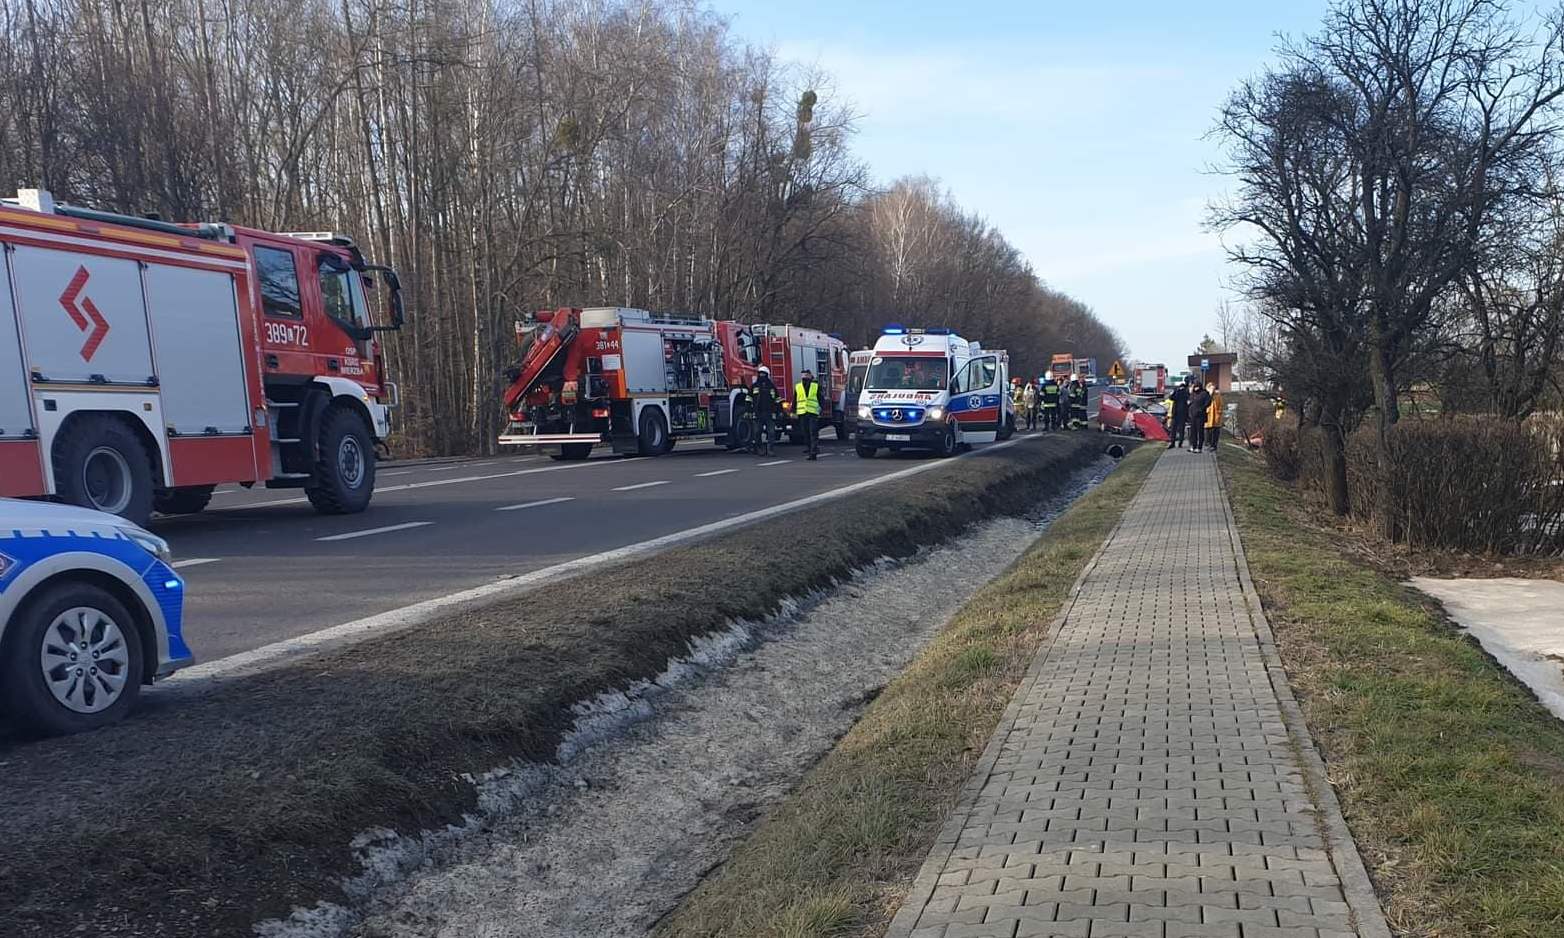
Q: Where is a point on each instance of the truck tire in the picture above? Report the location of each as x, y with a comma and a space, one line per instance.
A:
344, 476
573, 452
948, 445
101, 463
743, 433
49, 683
189, 500
653, 438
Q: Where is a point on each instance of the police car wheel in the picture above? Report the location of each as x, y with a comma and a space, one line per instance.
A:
72, 661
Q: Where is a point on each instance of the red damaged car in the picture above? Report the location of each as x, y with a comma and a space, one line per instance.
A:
1121, 413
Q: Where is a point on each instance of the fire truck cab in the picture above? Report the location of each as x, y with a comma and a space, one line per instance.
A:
144, 363
932, 389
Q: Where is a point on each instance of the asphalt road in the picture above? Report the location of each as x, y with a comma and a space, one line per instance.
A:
263, 567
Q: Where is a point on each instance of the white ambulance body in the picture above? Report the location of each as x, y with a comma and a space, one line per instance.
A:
932, 389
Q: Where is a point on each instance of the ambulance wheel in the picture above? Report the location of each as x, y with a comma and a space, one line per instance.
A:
654, 439
101, 463
948, 445
345, 470
865, 451
189, 500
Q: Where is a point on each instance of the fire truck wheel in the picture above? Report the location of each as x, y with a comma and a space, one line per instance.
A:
654, 438
948, 445
183, 501
100, 463
573, 452
73, 660
345, 473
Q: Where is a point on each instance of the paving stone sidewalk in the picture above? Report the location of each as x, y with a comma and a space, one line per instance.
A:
1144, 781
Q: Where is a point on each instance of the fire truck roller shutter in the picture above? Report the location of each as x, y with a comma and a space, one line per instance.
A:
200, 361
83, 317
21, 467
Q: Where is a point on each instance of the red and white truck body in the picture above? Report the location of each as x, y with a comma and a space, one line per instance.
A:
639, 381
1150, 380
143, 363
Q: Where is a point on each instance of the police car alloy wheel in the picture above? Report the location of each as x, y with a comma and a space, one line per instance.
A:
73, 662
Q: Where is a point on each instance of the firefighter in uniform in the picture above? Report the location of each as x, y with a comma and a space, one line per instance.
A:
806, 404
764, 396
1077, 403
1051, 403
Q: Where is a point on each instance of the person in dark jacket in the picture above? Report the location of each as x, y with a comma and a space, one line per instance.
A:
763, 395
1178, 415
1052, 393
1199, 403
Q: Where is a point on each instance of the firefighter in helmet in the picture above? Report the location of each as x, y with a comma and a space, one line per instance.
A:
1050, 399
763, 395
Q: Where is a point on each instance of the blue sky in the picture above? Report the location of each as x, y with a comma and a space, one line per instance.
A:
1076, 128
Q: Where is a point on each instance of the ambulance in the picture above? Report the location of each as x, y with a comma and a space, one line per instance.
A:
931, 389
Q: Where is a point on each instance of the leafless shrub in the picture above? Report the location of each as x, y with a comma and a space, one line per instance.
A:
1280, 447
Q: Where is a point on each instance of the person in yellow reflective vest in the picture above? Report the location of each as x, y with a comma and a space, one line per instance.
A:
806, 405
1214, 415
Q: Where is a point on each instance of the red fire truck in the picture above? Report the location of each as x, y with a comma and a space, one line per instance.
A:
639, 381
144, 363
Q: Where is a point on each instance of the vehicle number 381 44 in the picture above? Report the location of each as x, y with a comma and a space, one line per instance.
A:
287, 333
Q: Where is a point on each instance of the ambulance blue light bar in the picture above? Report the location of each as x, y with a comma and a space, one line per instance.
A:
894, 328
938, 332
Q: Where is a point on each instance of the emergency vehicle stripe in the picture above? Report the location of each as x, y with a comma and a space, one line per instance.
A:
99, 244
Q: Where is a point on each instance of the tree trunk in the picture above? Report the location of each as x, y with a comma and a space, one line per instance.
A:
1386, 516
1335, 443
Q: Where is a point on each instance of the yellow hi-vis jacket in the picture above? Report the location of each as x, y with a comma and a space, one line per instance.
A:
806, 403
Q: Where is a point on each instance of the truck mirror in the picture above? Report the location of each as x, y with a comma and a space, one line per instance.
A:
394, 284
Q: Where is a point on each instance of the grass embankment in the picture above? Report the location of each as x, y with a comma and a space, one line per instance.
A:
200, 819
1450, 774
836, 857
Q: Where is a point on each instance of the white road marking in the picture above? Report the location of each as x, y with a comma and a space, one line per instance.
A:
460, 465
424, 485
396, 472
194, 562
639, 485
486, 462
196, 678
385, 530
774, 462
537, 504
719, 472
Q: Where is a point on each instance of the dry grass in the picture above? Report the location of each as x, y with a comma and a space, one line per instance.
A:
200, 819
1451, 775
836, 857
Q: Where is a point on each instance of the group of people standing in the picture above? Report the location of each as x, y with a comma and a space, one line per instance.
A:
1199, 409
1050, 402
765, 401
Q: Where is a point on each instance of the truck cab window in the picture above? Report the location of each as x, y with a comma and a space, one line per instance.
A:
279, 282
749, 348
342, 295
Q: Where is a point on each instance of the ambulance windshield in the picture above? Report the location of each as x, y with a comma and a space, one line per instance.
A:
908, 373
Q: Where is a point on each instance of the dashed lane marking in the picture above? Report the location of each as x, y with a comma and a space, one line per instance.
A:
194, 562
640, 485
424, 485
774, 462
203, 677
719, 472
385, 530
537, 504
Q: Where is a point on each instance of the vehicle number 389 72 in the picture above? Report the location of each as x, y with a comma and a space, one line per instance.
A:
287, 333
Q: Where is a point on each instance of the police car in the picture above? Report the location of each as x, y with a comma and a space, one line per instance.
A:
90, 610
